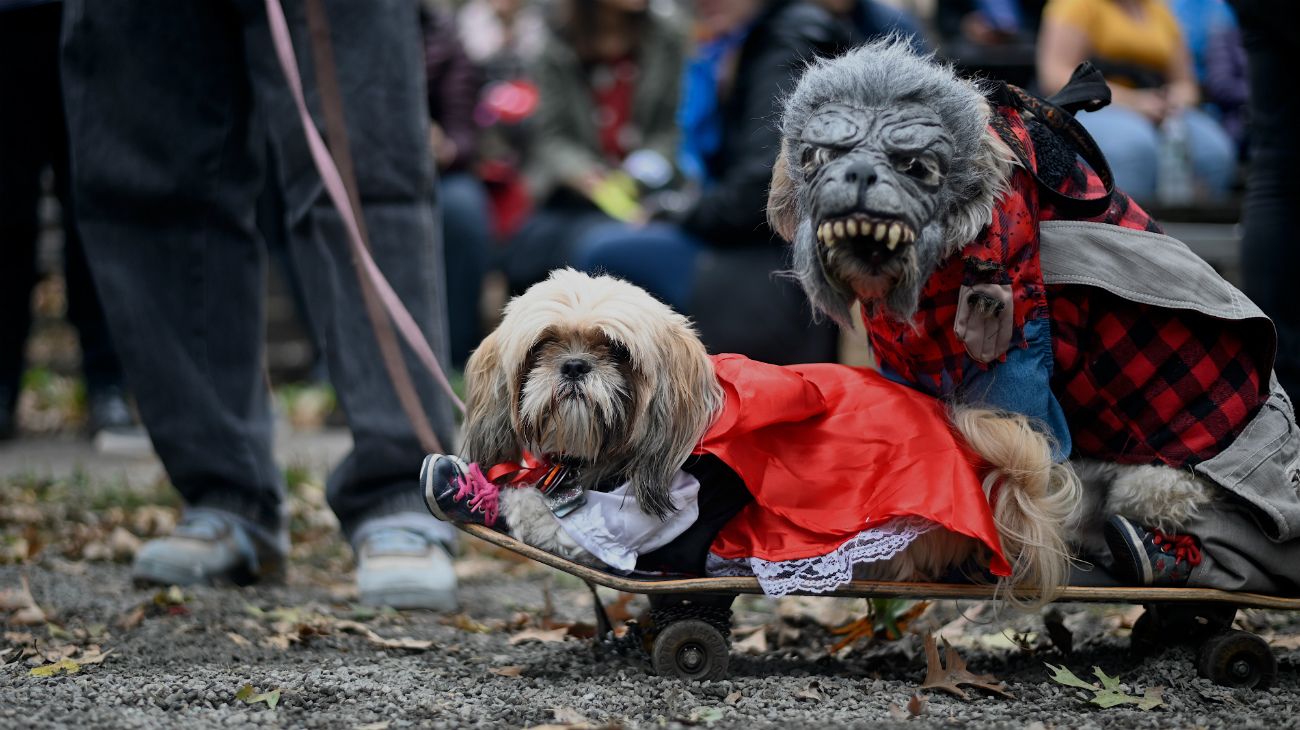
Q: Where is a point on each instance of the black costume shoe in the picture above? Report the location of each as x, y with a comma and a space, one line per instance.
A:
454, 492
1150, 557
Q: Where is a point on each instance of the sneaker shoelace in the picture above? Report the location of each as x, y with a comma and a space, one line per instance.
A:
483, 496
1184, 547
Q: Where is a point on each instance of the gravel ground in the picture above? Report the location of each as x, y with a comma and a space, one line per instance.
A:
183, 665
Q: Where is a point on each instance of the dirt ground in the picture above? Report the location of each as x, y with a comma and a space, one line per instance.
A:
81, 647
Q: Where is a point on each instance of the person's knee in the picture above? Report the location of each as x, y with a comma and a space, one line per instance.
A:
605, 248
1214, 157
1131, 146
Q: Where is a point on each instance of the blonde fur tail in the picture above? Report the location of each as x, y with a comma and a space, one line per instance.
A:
1032, 499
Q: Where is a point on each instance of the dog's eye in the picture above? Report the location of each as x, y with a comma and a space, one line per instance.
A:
814, 156
619, 352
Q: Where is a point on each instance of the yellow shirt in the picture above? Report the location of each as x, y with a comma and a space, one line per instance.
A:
1118, 37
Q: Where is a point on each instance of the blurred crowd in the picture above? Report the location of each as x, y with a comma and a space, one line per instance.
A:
636, 136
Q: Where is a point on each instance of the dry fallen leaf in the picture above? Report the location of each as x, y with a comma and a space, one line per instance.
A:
463, 622
618, 611
511, 671
248, 694
542, 635
950, 674
811, 692
21, 606
896, 712
238, 640
755, 643
402, 642
50, 670
130, 619
92, 655
916, 705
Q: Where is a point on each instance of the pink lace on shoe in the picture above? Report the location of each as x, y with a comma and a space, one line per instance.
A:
483, 496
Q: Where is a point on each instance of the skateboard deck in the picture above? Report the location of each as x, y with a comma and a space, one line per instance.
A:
877, 589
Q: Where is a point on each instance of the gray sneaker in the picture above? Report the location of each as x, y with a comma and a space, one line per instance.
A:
402, 566
211, 547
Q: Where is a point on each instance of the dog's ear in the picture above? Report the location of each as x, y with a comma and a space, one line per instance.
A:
489, 434
782, 207
678, 403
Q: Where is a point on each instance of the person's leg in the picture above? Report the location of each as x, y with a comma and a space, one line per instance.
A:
658, 257
166, 169
29, 47
1214, 156
99, 362
374, 490
467, 240
1131, 146
1270, 259
548, 241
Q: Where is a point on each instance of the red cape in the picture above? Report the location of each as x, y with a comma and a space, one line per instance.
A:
829, 451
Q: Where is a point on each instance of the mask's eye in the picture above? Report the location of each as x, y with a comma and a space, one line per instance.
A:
922, 169
814, 156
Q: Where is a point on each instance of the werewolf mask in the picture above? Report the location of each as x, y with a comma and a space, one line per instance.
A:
887, 167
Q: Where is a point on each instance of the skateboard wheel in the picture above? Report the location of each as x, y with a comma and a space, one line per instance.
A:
691, 650
1237, 659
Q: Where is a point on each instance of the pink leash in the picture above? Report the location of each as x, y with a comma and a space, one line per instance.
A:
329, 173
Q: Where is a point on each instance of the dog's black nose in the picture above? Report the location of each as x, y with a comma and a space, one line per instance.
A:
575, 367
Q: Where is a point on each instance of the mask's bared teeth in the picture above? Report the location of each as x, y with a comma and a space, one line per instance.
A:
851, 227
839, 229
895, 233
881, 228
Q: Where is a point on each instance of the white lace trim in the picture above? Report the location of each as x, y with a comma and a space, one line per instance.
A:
823, 573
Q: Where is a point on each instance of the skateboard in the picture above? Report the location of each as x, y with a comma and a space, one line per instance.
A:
690, 617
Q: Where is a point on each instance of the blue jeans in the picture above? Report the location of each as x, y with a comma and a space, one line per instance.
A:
1023, 384
1131, 143
659, 257
467, 240
1020, 384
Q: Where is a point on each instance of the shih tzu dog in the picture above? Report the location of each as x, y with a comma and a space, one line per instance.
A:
594, 375
603, 385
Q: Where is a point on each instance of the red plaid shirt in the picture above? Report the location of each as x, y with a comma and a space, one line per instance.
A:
1138, 384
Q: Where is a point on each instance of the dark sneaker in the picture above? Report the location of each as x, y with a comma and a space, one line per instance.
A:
404, 566
455, 492
212, 547
1149, 557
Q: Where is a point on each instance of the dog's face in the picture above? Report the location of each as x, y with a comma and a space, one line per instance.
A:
596, 372
578, 395
887, 167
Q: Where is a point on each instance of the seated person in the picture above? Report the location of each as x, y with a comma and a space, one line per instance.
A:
993, 38
608, 81
732, 93
1139, 47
